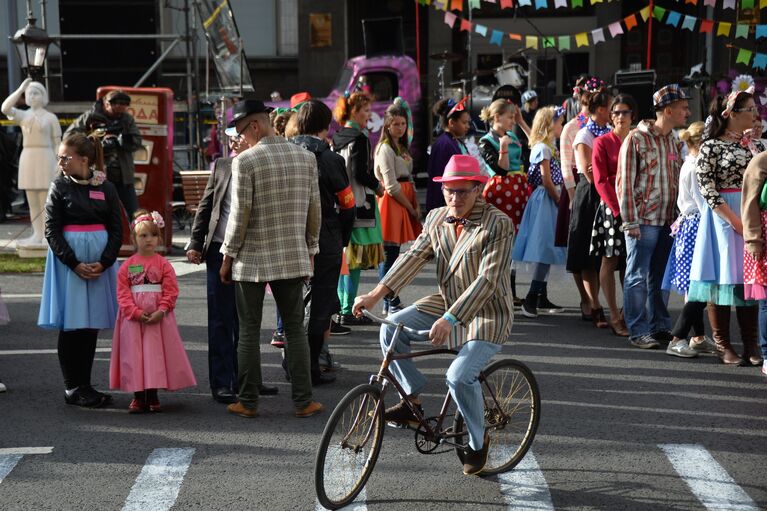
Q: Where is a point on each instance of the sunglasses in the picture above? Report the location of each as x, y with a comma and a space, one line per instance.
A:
621, 113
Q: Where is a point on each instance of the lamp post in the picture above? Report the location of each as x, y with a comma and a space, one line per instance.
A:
32, 45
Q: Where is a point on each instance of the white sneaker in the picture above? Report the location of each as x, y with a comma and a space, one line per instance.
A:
764, 368
3, 388
679, 348
707, 345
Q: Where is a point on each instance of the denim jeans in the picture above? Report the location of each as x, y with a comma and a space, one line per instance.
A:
462, 375
644, 302
763, 327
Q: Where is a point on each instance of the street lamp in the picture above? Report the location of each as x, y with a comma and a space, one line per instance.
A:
32, 45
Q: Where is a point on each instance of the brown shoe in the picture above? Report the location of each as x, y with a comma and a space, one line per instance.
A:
748, 320
312, 408
243, 411
719, 318
474, 461
618, 326
598, 318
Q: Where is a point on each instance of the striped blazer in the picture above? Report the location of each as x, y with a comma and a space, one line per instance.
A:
473, 272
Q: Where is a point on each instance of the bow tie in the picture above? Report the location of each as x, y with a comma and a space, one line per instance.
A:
457, 220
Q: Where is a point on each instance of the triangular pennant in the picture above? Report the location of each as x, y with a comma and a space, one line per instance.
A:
728, 4
689, 23
744, 56
741, 31
541, 4
480, 29
693, 2
630, 21
531, 41
658, 12
563, 3
761, 31
450, 19
456, 5
673, 18
724, 29
760, 60
746, 4
474, 4
596, 2
507, 4
598, 35
465, 25
564, 42
582, 39
645, 13
615, 29
497, 37
515, 37
706, 26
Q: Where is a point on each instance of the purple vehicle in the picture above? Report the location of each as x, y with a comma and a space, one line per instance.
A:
385, 77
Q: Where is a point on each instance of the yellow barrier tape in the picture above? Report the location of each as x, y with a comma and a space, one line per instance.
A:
216, 12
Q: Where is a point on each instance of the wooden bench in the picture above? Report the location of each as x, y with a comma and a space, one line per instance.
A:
193, 183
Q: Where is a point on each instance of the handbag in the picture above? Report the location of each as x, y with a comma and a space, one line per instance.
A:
763, 197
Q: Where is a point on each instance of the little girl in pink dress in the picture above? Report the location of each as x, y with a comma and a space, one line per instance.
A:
147, 352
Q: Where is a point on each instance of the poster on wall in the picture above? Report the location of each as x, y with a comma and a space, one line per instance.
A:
320, 30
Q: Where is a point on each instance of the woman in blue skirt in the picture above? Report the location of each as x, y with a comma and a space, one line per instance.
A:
535, 241
83, 227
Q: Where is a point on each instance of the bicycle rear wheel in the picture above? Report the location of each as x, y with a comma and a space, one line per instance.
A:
349, 447
511, 418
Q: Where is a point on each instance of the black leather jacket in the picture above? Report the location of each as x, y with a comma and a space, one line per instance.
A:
70, 203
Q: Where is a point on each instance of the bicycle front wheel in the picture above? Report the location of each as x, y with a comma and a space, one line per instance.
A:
349, 447
512, 411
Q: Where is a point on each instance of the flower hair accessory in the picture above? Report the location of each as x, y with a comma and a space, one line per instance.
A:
733, 98
98, 178
593, 84
742, 83
154, 217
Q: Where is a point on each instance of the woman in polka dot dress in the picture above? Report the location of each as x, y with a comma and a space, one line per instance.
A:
502, 151
685, 230
607, 239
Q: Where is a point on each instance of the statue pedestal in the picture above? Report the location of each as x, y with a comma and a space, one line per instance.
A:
29, 251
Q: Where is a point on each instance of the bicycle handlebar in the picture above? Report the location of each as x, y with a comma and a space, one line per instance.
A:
370, 315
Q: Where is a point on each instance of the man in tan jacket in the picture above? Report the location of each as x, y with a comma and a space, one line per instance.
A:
470, 241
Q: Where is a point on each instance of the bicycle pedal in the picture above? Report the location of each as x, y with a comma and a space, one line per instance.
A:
399, 425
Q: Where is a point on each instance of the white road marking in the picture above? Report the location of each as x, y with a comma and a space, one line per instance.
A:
182, 267
359, 504
7, 463
707, 479
26, 450
525, 488
17, 296
157, 486
44, 351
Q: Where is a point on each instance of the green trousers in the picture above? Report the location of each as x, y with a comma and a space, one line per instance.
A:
250, 301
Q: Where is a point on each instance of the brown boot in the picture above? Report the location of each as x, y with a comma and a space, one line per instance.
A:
719, 317
748, 321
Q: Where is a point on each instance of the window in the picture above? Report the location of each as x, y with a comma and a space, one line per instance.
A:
382, 85
287, 13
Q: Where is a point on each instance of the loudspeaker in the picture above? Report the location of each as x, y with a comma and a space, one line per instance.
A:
383, 36
641, 86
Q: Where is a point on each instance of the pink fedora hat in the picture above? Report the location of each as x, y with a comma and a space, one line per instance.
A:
461, 167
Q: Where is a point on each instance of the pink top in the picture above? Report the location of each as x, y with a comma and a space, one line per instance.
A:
567, 152
604, 165
138, 270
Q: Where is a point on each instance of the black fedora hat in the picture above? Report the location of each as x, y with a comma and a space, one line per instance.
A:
245, 108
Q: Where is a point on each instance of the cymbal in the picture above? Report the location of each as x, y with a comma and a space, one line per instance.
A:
446, 55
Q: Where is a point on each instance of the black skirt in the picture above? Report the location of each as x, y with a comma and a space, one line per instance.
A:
607, 239
585, 204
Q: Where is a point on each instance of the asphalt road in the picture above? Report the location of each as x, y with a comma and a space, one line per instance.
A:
620, 428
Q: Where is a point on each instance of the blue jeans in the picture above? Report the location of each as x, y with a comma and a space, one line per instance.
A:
763, 327
462, 375
644, 302
223, 325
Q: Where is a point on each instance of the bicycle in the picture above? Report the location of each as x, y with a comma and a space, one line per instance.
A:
351, 440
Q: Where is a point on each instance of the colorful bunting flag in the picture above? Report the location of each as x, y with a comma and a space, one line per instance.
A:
564, 42
741, 31
598, 35
673, 18
582, 39
630, 21
548, 41
497, 37
706, 26
724, 29
541, 4
616, 29
507, 4
525, 2
710, 3
645, 13
576, 3
760, 60
450, 19
563, 3
761, 31
441, 4
689, 23
480, 29
728, 4
596, 2
744, 56
746, 4
693, 2
657, 13
515, 37
762, 5
456, 5
531, 41
474, 4
424, 2
465, 25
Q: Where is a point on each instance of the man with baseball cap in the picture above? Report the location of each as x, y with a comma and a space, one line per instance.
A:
271, 238
647, 184
470, 241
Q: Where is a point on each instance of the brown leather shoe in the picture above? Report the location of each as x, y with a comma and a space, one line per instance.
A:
474, 461
719, 317
243, 411
312, 408
748, 321
618, 326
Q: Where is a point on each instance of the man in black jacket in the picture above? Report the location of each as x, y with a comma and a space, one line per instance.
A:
338, 213
223, 323
121, 138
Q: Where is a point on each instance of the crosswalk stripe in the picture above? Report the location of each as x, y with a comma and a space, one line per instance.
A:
707, 479
359, 504
524, 488
157, 486
182, 267
7, 463
26, 450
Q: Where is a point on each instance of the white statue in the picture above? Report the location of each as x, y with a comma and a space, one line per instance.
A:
37, 164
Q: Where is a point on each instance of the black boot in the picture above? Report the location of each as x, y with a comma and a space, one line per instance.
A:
545, 304
517, 300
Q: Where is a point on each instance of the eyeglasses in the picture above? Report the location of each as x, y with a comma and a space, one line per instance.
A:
752, 109
239, 133
458, 193
621, 113
64, 158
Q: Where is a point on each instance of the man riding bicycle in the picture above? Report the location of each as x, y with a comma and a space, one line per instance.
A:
470, 241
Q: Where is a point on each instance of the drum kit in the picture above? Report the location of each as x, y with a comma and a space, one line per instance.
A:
510, 73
